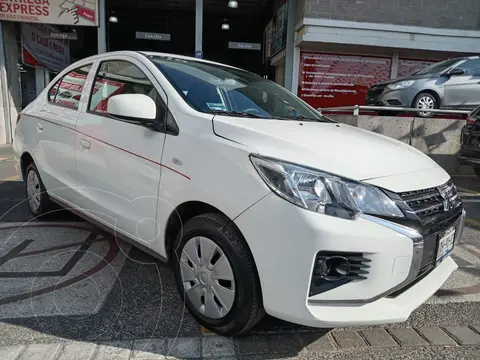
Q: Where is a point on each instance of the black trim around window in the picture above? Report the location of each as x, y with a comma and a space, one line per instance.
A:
59, 81
167, 111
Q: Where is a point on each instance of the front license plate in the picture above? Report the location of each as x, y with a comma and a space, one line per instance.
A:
445, 244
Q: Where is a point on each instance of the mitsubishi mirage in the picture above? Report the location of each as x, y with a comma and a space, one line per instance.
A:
249, 193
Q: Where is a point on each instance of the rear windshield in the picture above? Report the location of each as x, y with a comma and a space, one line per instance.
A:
213, 88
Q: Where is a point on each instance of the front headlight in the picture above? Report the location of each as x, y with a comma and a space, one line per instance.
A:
322, 192
400, 85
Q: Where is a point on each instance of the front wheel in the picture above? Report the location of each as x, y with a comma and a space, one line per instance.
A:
425, 101
216, 275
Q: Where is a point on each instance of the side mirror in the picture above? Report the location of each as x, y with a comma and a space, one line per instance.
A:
133, 107
456, 72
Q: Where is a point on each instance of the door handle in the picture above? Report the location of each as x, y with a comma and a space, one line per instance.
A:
84, 144
39, 127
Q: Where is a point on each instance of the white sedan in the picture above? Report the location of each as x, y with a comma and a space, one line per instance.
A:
260, 203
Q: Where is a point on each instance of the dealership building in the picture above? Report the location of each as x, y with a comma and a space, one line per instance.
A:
328, 52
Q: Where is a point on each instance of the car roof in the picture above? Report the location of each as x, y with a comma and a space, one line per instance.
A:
151, 53
465, 58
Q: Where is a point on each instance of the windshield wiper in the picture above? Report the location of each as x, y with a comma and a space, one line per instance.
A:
238, 113
302, 117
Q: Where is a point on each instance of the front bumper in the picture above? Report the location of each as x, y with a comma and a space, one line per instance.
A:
285, 239
396, 98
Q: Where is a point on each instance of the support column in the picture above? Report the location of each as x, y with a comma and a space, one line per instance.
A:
296, 69
11, 92
46, 75
5, 130
290, 45
102, 27
394, 68
39, 79
199, 25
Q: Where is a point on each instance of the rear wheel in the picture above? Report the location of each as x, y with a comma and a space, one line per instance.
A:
38, 200
425, 101
216, 275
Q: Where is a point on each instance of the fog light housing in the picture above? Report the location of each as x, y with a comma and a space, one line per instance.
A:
334, 269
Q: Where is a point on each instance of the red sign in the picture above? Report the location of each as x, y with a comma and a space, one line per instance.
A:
329, 80
407, 67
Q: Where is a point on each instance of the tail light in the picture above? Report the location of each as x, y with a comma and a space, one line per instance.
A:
471, 120
18, 117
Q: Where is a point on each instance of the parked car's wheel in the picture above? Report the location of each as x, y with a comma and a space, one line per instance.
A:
38, 199
476, 170
216, 275
426, 101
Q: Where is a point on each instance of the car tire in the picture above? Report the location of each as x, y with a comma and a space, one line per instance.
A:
38, 200
425, 100
476, 170
208, 252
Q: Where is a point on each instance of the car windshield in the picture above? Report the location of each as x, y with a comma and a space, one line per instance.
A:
218, 89
438, 67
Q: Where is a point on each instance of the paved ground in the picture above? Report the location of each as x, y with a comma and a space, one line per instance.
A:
68, 291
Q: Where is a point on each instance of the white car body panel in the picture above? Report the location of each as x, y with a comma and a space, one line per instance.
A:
335, 148
132, 179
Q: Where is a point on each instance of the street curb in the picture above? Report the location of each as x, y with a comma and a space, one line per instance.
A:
247, 346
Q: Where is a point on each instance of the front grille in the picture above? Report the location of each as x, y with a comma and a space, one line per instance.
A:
429, 202
375, 91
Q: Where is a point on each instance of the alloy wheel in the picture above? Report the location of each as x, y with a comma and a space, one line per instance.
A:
425, 102
207, 277
33, 190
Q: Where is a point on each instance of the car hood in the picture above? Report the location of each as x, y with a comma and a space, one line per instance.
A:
335, 148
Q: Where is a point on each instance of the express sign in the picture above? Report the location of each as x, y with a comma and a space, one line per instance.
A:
65, 12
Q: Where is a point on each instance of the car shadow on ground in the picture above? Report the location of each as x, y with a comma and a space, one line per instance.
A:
142, 304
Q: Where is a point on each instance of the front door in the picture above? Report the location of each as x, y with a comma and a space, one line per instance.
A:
117, 162
463, 91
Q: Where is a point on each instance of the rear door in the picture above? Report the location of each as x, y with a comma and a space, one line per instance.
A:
463, 91
55, 120
118, 162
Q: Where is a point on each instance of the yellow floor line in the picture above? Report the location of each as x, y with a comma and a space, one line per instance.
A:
472, 222
468, 191
205, 331
11, 178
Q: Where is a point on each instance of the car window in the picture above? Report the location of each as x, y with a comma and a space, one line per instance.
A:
121, 77
438, 67
471, 67
68, 90
214, 88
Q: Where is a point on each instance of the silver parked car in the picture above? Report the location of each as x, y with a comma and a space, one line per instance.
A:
450, 84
